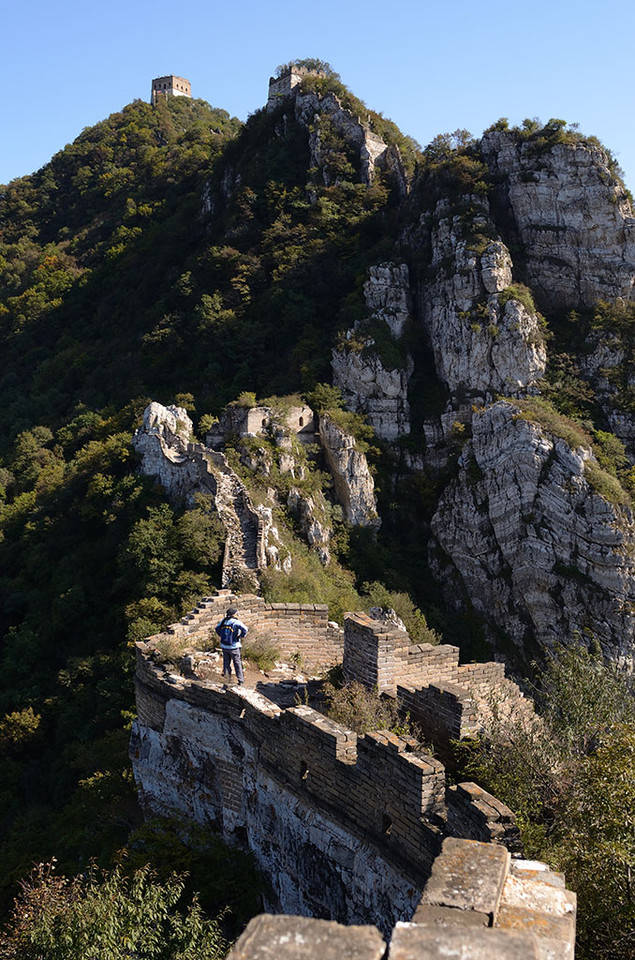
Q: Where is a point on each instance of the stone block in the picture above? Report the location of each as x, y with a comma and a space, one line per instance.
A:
468, 875
428, 914
555, 935
414, 942
279, 937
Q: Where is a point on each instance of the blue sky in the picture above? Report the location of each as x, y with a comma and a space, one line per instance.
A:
430, 67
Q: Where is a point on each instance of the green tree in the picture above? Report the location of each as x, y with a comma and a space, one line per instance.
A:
107, 915
568, 777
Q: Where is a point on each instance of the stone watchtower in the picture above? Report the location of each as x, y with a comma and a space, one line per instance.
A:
280, 87
170, 86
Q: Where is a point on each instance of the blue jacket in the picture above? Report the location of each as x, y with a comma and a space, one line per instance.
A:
231, 630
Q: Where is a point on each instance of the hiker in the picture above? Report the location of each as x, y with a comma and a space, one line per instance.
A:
231, 630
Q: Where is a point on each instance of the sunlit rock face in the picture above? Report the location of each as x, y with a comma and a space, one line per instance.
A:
353, 480
538, 552
572, 217
368, 384
484, 339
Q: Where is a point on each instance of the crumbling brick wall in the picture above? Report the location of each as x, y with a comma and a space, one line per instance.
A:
299, 631
449, 700
346, 826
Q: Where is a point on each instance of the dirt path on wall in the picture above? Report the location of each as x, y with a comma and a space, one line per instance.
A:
283, 684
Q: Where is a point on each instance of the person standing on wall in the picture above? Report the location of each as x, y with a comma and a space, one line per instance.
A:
231, 630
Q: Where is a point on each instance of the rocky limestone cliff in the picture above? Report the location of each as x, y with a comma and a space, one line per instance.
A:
310, 511
484, 339
525, 536
316, 111
165, 444
571, 214
368, 386
353, 480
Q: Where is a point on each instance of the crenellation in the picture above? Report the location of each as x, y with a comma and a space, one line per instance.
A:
365, 813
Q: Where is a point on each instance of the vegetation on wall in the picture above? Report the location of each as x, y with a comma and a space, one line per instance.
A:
568, 778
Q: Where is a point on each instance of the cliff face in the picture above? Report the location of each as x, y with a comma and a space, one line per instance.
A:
368, 384
483, 338
323, 114
538, 551
571, 215
541, 552
353, 480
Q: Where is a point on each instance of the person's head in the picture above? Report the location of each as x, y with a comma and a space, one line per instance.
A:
232, 611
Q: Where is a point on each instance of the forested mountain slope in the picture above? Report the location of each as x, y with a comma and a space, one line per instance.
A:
473, 305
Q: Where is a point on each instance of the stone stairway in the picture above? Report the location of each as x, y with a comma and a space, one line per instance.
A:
240, 563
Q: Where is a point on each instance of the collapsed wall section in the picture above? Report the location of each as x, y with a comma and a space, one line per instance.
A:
449, 700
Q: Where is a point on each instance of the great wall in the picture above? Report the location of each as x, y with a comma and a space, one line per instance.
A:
354, 830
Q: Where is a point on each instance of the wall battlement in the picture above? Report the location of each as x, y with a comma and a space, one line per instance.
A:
298, 630
282, 86
450, 700
346, 826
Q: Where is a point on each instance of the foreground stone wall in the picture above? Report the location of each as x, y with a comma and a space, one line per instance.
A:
347, 827
477, 905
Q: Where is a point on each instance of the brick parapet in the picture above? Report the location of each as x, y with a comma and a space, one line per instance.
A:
300, 630
449, 700
376, 785
473, 812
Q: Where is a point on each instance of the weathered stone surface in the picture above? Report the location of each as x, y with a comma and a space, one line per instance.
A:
387, 295
163, 443
270, 937
185, 468
538, 551
314, 109
468, 876
479, 343
311, 513
555, 935
572, 215
353, 481
367, 385
414, 942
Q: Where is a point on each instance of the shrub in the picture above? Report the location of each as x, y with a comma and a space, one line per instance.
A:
360, 709
378, 595
568, 778
262, 653
107, 915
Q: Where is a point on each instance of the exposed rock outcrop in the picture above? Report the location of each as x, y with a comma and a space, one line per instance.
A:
572, 215
368, 385
353, 480
539, 552
315, 110
164, 443
310, 512
484, 339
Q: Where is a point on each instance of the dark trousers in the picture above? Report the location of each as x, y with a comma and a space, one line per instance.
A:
229, 657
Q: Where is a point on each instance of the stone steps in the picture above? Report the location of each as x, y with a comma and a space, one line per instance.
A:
241, 550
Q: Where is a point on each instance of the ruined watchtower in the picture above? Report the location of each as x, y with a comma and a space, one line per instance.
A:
290, 77
170, 86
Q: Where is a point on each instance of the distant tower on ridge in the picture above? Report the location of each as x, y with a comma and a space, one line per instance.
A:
170, 86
